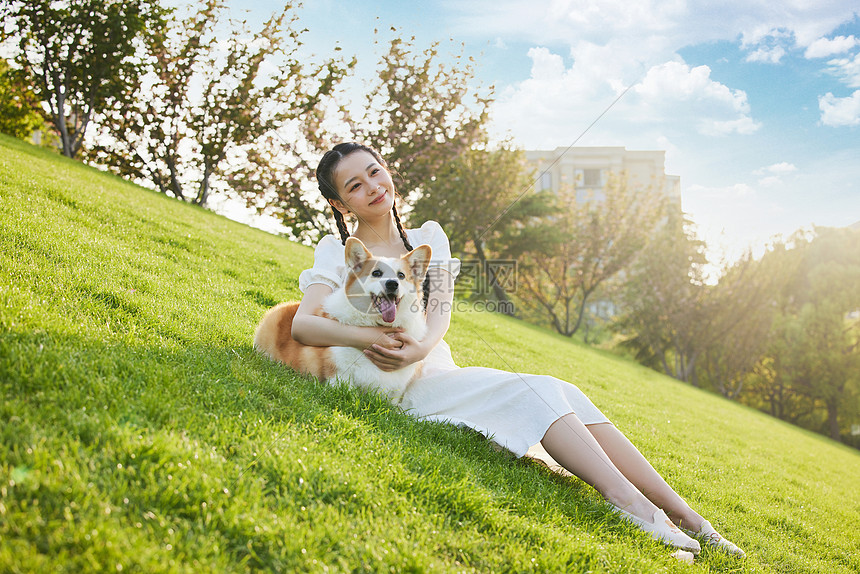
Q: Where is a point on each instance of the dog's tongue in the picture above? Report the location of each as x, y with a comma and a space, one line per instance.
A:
388, 308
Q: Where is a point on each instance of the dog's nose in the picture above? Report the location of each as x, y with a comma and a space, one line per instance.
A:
391, 285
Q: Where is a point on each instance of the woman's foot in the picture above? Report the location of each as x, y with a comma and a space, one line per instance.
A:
662, 529
713, 538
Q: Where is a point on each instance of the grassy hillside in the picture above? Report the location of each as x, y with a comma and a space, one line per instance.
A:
142, 433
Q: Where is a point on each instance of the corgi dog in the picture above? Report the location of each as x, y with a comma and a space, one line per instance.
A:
378, 291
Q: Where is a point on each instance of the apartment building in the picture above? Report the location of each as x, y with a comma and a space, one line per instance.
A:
587, 169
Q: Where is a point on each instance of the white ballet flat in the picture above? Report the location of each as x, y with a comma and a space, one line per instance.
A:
715, 539
662, 529
683, 556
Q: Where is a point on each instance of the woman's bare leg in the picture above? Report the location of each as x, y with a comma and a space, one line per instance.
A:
639, 471
571, 444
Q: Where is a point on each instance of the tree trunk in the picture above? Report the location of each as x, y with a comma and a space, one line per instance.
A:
60, 119
498, 290
737, 390
780, 403
175, 186
203, 196
581, 314
665, 364
833, 419
80, 130
687, 372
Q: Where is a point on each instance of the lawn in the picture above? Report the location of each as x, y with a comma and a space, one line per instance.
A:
142, 433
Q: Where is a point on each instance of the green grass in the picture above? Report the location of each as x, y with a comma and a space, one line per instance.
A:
142, 433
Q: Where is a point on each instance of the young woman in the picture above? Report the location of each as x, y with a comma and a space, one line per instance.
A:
514, 410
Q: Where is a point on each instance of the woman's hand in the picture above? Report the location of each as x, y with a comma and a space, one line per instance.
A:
395, 350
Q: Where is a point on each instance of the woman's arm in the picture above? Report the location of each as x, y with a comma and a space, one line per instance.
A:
316, 331
439, 307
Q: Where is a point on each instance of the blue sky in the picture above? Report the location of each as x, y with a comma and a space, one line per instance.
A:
757, 103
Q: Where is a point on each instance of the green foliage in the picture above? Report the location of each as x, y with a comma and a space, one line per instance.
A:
82, 54
420, 113
736, 323
20, 114
483, 198
660, 292
140, 429
469, 193
810, 371
587, 241
705, 334
203, 97
775, 333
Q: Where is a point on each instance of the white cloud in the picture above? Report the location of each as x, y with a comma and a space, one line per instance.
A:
777, 168
744, 126
673, 90
824, 47
837, 112
773, 174
679, 22
767, 45
847, 70
558, 101
767, 55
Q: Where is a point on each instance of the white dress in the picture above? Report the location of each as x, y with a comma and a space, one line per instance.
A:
514, 410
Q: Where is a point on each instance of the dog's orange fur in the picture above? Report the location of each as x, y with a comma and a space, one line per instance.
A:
275, 339
365, 280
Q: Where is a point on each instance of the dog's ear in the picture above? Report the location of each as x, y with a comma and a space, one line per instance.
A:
356, 254
418, 260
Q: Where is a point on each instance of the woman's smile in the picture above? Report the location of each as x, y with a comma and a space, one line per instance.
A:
380, 197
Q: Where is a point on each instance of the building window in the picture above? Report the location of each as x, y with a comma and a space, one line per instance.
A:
592, 177
546, 181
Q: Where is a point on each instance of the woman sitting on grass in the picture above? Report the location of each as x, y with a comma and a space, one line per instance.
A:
517, 411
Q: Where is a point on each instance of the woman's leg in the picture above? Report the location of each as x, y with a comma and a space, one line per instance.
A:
639, 471
571, 444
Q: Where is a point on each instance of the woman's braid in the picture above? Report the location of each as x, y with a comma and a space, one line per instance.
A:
425, 287
341, 225
325, 178
400, 228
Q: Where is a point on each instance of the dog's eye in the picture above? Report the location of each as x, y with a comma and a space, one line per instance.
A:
401, 275
377, 273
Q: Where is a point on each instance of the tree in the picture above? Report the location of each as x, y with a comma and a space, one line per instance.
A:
719, 313
821, 355
587, 241
418, 112
479, 198
809, 371
205, 98
81, 53
663, 285
20, 114
746, 301
693, 330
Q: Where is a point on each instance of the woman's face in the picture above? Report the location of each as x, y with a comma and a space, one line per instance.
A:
364, 186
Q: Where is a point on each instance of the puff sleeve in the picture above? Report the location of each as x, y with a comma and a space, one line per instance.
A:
329, 268
433, 235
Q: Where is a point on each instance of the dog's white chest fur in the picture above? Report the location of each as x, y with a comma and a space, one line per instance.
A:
351, 365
